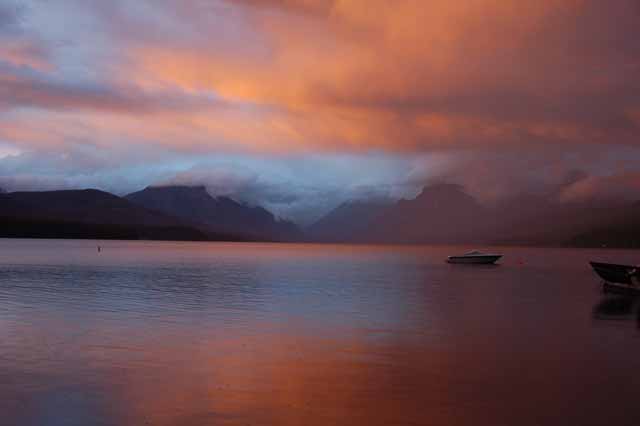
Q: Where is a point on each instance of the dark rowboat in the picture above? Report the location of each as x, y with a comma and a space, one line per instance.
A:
624, 279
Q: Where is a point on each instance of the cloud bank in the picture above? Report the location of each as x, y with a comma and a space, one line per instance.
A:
502, 96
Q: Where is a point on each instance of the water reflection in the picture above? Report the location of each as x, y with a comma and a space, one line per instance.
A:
216, 334
618, 308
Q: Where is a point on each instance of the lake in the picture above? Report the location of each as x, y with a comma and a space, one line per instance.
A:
175, 333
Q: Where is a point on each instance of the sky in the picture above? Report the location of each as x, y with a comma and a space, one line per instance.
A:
299, 105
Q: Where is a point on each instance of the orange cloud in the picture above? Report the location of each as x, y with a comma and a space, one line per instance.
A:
554, 80
23, 53
353, 75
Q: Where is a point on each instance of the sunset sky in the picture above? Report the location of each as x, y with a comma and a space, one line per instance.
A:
301, 104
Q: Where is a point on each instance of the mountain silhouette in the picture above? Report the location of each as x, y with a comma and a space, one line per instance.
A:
445, 214
616, 227
441, 213
347, 222
195, 205
87, 213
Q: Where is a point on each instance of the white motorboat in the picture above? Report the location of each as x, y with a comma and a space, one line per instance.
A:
475, 258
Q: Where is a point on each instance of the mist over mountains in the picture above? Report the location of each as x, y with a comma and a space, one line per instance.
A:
446, 214
440, 214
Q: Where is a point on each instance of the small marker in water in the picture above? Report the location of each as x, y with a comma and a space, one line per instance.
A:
99, 249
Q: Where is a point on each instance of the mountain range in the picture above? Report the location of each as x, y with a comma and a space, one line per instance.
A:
446, 214
172, 212
194, 205
349, 221
86, 214
440, 214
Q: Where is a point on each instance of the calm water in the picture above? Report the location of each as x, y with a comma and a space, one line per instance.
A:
149, 333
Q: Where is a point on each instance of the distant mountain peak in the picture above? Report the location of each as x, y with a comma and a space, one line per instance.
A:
446, 195
441, 189
194, 204
348, 219
196, 190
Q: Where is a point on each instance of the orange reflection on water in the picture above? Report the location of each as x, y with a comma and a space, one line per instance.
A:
280, 378
220, 334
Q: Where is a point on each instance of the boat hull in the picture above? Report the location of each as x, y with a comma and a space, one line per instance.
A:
621, 289
474, 260
618, 279
614, 273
